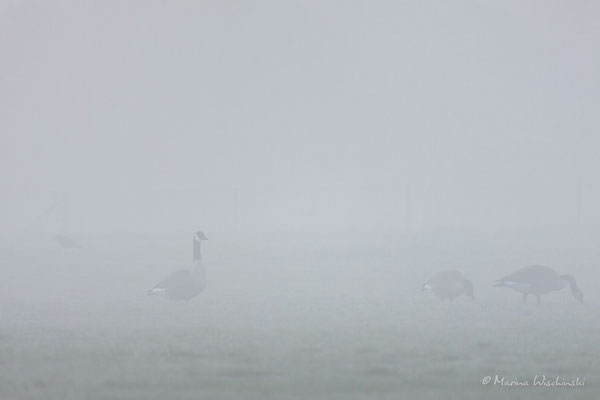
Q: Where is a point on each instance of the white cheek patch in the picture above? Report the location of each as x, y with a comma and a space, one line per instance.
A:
427, 287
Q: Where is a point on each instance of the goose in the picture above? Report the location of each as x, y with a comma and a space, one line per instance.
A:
184, 284
538, 280
67, 242
449, 284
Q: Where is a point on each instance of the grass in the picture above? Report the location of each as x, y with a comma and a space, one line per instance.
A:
280, 323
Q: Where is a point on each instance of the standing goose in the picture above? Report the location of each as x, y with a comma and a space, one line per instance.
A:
449, 285
539, 280
185, 284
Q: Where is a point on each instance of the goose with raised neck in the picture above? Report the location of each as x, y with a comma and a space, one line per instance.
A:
188, 283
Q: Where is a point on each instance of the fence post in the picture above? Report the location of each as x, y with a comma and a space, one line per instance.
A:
408, 207
579, 204
65, 212
235, 210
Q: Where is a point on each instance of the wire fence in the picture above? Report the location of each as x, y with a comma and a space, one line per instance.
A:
393, 206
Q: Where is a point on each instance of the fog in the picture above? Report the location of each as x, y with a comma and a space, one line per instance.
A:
336, 155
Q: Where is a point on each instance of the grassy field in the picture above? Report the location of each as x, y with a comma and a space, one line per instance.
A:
288, 317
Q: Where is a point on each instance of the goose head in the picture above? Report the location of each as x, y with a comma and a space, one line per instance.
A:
200, 236
575, 291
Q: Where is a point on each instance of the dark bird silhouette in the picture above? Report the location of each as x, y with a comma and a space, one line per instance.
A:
188, 283
539, 280
449, 285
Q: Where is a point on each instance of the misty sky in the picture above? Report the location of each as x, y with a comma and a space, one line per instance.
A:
150, 113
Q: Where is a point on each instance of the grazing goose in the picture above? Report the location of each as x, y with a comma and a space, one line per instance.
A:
449, 285
539, 280
184, 284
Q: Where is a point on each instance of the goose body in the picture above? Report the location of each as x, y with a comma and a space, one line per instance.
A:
184, 284
449, 284
67, 242
539, 280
